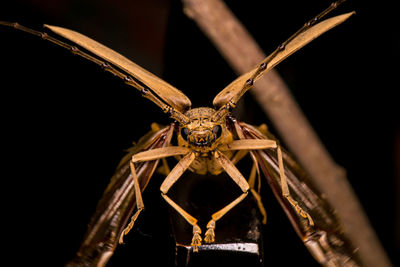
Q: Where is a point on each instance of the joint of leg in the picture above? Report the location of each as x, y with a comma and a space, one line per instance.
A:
211, 224
164, 189
140, 207
291, 200
134, 160
247, 189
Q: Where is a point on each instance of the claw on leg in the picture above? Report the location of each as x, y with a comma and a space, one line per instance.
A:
130, 226
196, 240
300, 211
210, 234
286, 193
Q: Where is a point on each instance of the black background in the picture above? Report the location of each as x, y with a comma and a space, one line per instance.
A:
66, 123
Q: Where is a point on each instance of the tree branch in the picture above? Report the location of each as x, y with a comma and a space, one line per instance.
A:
242, 52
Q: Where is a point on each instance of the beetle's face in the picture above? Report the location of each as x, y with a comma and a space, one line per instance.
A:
201, 134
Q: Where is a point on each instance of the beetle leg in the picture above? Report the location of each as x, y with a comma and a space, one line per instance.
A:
139, 203
172, 177
196, 240
286, 193
148, 155
210, 234
260, 205
256, 194
248, 144
238, 178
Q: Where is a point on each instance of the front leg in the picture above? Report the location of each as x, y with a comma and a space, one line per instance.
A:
169, 181
238, 178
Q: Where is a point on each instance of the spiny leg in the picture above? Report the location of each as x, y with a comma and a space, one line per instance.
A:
169, 181
147, 156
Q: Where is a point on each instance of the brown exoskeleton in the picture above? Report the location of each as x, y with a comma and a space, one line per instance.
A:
210, 140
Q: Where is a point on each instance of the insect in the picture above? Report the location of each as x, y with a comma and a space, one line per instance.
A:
209, 140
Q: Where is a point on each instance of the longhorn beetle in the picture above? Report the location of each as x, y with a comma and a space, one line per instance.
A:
209, 140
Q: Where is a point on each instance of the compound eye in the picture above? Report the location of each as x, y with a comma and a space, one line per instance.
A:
217, 130
184, 133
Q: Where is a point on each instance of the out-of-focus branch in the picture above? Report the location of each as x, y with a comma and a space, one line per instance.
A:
242, 52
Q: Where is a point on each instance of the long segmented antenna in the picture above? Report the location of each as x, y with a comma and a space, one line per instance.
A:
230, 104
282, 46
129, 80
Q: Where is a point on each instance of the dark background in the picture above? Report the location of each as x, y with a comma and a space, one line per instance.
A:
66, 123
